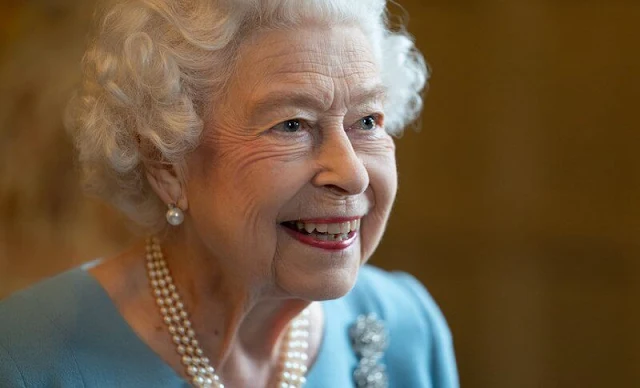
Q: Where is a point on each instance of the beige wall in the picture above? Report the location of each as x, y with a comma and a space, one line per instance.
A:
518, 202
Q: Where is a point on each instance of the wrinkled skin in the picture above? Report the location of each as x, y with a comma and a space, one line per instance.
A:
241, 275
250, 174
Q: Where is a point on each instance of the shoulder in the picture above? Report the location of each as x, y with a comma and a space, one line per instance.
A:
416, 326
41, 306
67, 332
10, 374
37, 325
38, 307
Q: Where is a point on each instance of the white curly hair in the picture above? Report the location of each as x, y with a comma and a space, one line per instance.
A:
153, 67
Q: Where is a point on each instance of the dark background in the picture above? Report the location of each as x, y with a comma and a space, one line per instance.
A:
518, 202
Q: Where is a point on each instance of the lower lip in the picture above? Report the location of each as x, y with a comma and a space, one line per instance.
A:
327, 245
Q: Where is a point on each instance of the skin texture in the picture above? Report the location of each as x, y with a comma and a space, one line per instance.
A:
241, 276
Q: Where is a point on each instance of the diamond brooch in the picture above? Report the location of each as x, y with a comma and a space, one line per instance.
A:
369, 341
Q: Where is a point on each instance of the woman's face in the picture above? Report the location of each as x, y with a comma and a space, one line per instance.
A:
297, 146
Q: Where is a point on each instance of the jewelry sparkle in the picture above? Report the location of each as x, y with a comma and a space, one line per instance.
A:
369, 341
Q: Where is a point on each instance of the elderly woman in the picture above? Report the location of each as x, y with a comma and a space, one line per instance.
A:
252, 140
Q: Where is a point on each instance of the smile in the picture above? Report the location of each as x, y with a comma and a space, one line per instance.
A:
330, 234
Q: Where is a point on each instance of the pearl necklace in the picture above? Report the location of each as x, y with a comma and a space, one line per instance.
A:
197, 366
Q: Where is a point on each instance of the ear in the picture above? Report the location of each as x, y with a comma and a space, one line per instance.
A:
168, 183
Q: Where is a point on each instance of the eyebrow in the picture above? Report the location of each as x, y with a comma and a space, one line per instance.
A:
307, 99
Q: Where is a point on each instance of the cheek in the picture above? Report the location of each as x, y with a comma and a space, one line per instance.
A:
264, 175
238, 197
379, 158
384, 181
383, 178
251, 179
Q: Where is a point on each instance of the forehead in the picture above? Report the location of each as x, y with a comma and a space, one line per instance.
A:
315, 57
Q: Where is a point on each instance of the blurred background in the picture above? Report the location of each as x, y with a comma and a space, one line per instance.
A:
519, 202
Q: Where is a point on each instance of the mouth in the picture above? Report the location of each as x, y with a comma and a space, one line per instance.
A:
331, 234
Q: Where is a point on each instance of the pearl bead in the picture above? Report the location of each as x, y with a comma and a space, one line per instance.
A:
175, 216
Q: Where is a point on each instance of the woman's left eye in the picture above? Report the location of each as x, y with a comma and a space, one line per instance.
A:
368, 123
289, 126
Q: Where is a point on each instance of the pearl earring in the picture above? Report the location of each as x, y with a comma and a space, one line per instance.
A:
174, 215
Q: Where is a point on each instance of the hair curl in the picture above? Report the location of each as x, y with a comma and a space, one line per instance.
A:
153, 67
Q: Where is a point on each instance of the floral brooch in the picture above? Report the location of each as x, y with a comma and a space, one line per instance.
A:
369, 341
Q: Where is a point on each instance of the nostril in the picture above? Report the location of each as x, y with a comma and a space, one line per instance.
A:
336, 189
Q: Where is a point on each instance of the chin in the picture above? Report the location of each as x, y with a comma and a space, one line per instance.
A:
319, 286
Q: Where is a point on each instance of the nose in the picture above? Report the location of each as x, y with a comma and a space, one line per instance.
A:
341, 170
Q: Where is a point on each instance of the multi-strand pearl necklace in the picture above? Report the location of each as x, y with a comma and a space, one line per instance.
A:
197, 366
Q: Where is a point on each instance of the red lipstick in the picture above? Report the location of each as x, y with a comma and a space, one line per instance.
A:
308, 239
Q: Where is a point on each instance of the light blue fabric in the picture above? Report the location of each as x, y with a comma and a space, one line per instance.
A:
66, 332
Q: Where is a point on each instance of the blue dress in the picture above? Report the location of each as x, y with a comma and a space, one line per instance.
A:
66, 332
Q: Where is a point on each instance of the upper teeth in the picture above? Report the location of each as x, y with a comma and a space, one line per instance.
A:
332, 228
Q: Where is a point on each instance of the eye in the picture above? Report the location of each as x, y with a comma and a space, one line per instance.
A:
368, 123
289, 126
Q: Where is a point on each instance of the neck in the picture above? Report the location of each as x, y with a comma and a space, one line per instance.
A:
234, 320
